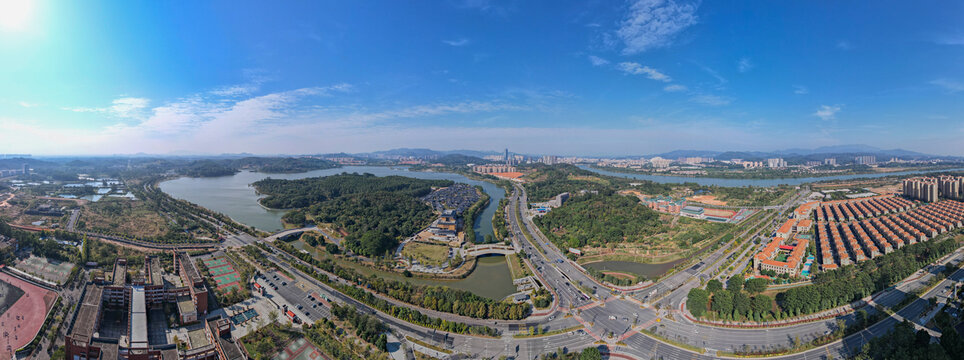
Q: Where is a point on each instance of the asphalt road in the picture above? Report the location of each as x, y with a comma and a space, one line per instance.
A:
623, 315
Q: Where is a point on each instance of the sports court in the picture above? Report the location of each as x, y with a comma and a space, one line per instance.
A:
47, 269
215, 262
223, 273
300, 349
24, 307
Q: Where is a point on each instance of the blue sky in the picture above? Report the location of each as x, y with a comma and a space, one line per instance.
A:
580, 77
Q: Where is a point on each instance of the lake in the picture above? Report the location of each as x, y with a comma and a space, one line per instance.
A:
706, 181
235, 197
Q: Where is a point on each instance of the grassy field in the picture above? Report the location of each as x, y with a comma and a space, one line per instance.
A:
429, 254
122, 216
516, 267
594, 179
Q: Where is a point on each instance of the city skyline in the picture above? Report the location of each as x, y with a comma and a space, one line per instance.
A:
603, 79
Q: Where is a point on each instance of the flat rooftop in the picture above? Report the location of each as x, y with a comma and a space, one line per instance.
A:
138, 317
120, 272
86, 322
153, 267
185, 304
189, 267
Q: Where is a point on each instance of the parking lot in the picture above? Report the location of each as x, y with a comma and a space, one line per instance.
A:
285, 291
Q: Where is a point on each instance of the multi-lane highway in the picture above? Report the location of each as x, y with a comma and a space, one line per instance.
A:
617, 319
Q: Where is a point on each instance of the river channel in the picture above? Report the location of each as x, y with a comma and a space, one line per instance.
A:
235, 197
706, 181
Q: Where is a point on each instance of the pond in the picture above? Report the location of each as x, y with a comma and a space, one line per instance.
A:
490, 279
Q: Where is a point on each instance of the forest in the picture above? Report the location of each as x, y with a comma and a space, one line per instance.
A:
376, 212
599, 219
549, 181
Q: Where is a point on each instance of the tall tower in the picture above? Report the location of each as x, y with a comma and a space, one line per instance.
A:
26, 170
508, 162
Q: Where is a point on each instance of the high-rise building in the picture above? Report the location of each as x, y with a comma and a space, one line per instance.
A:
865, 160
26, 169
549, 159
931, 189
776, 163
830, 161
507, 159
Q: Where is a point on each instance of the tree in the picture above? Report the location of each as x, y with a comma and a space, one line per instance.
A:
756, 285
723, 302
590, 353
714, 286
761, 304
735, 283
696, 301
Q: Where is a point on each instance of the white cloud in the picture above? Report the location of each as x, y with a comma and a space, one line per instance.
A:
128, 106
457, 42
235, 90
652, 24
745, 65
716, 75
827, 112
597, 61
711, 100
28, 104
125, 107
637, 69
948, 84
674, 88
844, 45
800, 90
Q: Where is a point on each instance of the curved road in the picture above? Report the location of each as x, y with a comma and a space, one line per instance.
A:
617, 318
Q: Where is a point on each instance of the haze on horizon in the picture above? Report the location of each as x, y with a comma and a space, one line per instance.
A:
590, 78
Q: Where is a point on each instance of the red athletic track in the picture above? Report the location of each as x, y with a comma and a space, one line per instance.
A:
32, 309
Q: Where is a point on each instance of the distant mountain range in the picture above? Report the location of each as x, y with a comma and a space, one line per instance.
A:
426, 153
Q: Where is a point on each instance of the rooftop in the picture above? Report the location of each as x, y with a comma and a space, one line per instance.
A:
189, 267
227, 344
120, 272
185, 304
86, 321
153, 266
138, 316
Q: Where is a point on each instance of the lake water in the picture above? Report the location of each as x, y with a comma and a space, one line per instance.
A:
705, 181
490, 279
235, 197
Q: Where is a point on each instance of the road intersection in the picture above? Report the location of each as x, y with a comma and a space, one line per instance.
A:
623, 322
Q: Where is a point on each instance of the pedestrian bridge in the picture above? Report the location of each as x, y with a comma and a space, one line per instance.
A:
483, 250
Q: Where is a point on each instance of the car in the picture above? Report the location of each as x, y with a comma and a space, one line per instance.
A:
284, 283
300, 307
314, 305
611, 317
